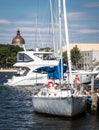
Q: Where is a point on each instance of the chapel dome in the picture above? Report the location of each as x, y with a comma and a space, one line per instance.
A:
18, 39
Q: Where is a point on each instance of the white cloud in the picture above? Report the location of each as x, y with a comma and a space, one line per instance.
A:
91, 5
36, 15
79, 16
23, 23
4, 21
88, 31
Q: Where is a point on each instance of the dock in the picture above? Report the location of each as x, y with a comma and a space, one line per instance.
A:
8, 70
93, 97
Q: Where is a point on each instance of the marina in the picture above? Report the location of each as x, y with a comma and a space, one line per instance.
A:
48, 88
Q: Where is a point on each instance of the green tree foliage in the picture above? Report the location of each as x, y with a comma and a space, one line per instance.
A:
65, 57
75, 56
8, 54
45, 49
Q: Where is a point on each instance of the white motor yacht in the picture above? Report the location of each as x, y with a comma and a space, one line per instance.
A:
85, 76
27, 63
96, 69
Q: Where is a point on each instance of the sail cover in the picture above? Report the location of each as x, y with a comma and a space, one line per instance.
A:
58, 71
55, 72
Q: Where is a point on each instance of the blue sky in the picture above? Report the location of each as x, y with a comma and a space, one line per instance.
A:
32, 18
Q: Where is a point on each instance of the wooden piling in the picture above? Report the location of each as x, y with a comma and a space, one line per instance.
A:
94, 106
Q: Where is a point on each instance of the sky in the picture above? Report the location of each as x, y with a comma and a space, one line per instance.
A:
33, 19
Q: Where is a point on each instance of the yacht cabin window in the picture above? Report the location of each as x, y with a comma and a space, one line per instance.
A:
21, 57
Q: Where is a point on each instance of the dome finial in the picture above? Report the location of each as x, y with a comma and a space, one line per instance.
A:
18, 32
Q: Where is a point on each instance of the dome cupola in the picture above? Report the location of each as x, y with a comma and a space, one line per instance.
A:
18, 40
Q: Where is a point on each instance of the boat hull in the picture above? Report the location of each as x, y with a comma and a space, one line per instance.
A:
25, 80
64, 106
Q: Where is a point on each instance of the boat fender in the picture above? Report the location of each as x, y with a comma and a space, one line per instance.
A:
50, 84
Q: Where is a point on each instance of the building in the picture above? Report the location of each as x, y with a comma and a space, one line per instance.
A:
89, 53
84, 46
18, 40
89, 59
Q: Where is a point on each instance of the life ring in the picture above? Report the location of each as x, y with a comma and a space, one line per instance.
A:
50, 84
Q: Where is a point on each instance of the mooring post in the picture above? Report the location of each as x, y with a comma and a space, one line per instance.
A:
94, 97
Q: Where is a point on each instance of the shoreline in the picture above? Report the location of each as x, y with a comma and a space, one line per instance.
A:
8, 70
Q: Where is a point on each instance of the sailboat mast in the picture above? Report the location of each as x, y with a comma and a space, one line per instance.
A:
67, 42
52, 26
60, 38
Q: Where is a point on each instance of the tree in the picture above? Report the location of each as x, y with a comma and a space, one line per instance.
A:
75, 56
8, 54
45, 49
65, 57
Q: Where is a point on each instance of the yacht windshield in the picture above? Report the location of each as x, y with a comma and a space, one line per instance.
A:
21, 57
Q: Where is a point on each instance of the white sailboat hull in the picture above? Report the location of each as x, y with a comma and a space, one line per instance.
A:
60, 106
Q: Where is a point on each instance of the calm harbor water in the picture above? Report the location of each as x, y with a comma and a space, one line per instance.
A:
16, 113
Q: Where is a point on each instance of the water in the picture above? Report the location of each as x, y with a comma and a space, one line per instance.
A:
16, 113
4, 76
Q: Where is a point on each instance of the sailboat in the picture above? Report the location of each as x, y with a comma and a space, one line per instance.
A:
60, 99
